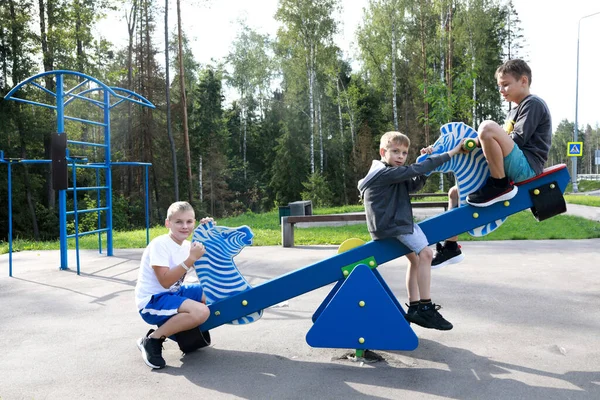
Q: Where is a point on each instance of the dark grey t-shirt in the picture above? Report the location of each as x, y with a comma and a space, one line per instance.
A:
530, 126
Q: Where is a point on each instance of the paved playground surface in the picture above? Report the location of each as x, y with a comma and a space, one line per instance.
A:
526, 317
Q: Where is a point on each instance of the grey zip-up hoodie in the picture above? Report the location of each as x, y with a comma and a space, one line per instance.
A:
385, 192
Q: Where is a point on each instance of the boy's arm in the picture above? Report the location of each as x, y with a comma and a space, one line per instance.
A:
530, 117
404, 173
168, 276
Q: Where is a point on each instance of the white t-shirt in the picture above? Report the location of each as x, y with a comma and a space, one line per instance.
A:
165, 252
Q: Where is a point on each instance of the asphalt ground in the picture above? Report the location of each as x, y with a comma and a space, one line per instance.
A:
526, 318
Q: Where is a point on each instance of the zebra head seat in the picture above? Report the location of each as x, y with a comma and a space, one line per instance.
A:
470, 170
216, 269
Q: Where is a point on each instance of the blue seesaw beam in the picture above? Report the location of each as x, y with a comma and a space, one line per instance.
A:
324, 272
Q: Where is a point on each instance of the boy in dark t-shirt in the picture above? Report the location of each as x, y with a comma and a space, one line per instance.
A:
515, 157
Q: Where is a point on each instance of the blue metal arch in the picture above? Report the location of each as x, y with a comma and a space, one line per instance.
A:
133, 97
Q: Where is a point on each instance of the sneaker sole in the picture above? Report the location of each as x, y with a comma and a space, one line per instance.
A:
503, 197
453, 260
145, 356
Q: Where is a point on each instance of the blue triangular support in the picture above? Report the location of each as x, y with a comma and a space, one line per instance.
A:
362, 314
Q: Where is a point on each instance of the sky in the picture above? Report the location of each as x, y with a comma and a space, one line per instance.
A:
550, 34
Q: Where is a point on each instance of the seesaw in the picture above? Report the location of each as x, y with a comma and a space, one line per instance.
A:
360, 312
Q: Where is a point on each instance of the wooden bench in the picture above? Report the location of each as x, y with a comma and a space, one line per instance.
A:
287, 223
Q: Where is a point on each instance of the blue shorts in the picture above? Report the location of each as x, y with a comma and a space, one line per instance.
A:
164, 305
516, 166
415, 241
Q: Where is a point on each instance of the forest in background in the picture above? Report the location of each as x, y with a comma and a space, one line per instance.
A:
297, 123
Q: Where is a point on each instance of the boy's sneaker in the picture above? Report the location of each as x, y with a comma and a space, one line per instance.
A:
445, 256
411, 312
152, 350
490, 194
428, 316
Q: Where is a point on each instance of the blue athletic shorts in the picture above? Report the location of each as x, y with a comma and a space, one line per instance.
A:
164, 305
415, 241
516, 166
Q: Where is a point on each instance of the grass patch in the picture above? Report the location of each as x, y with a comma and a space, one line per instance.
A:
584, 186
267, 231
583, 200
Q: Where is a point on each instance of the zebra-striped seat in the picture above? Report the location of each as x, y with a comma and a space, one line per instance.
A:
216, 270
471, 170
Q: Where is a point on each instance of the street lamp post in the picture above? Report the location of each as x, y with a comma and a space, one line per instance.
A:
575, 128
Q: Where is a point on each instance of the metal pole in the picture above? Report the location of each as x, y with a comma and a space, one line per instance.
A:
62, 194
575, 127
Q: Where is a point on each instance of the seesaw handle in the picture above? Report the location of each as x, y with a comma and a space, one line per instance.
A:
469, 145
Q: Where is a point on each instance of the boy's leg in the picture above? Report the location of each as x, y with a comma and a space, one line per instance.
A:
426, 315
449, 252
412, 275
496, 145
172, 312
190, 314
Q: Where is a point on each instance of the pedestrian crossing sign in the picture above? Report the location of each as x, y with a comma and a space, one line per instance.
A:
574, 149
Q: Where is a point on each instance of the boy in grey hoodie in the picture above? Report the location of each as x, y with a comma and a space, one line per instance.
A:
385, 192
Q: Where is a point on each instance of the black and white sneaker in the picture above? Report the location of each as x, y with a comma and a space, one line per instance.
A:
490, 194
445, 256
152, 351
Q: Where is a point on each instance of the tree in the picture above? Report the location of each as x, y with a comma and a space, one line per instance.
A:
251, 71
308, 27
188, 158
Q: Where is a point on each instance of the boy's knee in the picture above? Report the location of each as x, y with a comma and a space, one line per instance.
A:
487, 129
453, 192
426, 254
199, 312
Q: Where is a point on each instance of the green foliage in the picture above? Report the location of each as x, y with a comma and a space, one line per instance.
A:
317, 190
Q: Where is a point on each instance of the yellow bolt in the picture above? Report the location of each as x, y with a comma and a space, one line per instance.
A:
361, 303
371, 263
361, 340
217, 313
506, 203
475, 215
552, 186
244, 302
346, 273
536, 191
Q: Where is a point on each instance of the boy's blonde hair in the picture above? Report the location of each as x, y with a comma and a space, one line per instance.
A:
178, 206
393, 137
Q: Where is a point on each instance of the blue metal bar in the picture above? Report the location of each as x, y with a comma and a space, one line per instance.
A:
89, 232
19, 161
70, 92
62, 194
144, 101
108, 176
87, 210
85, 121
99, 223
86, 143
79, 189
74, 170
35, 103
92, 166
10, 242
51, 93
131, 163
146, 206
85, 98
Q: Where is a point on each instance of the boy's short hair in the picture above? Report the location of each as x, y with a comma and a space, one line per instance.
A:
178, 206
393, 137
517, 68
